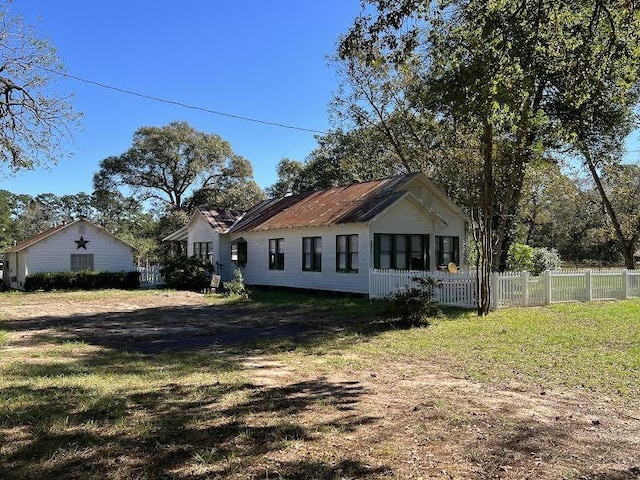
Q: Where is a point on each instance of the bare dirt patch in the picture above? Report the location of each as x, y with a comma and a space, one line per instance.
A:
284, 416
125, 319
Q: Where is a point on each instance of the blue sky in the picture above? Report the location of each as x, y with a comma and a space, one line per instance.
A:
265, 60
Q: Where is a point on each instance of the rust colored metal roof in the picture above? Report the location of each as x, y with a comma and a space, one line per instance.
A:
221, 220
356, 203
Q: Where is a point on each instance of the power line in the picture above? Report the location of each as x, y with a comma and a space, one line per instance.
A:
181, 104
202, 109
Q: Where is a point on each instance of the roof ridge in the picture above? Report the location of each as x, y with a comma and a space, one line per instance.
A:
355, 203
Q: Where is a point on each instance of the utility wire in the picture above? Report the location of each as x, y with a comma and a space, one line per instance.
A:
206, 110
180, 104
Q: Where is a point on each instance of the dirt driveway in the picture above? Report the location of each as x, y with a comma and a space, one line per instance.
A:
295, 415
155, 322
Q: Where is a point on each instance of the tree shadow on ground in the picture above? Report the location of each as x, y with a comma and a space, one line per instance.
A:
60, 418
305, 320
323, 470
509, 446
153, 330
166, 429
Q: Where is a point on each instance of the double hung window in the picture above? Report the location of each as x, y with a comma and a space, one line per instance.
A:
81, 261
203, 250
276, 254
401, 251
239, 252
312, 254
447, 250
347, 253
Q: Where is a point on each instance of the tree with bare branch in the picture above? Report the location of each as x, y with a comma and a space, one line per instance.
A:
36, 121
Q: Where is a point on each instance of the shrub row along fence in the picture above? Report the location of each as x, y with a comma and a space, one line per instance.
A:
516, 288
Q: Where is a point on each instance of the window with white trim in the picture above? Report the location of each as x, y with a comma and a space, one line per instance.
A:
447, 250
81, 261
239, 252
347, 253
401, 251
312, 254
203, 250
276, 254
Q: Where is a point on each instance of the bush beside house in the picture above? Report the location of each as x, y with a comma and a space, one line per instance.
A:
188, 273
83, 280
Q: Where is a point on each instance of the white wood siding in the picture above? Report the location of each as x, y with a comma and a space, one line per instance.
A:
405, 216
420, 213
53, 254
257, 272
201, 231
224, 254
17, 262
434, 198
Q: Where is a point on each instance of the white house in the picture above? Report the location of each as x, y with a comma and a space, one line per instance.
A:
79, 245
332, 239
204, 236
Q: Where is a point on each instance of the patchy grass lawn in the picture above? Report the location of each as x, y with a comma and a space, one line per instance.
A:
593, 346
540, 393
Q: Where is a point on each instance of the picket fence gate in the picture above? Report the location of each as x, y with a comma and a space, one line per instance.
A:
150, 275
511, 289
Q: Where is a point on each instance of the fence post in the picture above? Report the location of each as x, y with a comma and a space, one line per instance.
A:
525, 288
589, 286
547, 286
495, 294
625, 284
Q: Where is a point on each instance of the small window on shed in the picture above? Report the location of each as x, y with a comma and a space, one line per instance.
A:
81, 261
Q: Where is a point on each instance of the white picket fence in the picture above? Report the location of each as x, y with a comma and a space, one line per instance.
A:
150, 275
457, 289
510, 289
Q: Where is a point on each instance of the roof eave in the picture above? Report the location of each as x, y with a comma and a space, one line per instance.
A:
178, 235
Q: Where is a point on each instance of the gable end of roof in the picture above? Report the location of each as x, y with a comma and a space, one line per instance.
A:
58, 228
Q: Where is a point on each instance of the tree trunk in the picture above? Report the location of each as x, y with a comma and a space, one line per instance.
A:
628, 252
483, 225
627, 246
513, 167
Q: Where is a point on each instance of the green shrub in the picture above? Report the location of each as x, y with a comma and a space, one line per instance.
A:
545, 259
520, 258
84, 280
187, 273
523, 258
414, 306
236, 286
